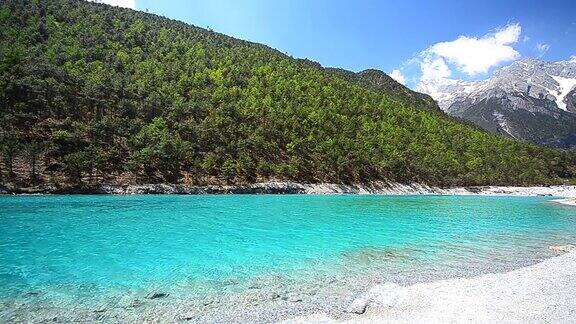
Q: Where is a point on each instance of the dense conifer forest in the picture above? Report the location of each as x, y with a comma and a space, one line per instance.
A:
95, 94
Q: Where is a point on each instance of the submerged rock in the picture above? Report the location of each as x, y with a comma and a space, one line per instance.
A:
156, 295
274, 296
229, 282
187, 316
373, 255
208, 302
134, 303
295, 299
292, 298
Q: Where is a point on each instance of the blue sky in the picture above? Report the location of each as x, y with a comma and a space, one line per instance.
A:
391, 35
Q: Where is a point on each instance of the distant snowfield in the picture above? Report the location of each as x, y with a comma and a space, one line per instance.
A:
566, 85
503, 123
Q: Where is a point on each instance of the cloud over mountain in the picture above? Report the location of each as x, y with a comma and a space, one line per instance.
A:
473, 55
398, 76
467, 55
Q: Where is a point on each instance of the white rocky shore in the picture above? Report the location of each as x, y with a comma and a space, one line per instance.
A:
420, 189
377, 188
542, 293
282, 187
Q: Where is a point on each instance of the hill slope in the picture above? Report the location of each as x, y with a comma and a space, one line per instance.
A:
92, 93
383, 82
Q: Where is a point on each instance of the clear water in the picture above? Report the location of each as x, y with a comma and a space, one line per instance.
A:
100, 245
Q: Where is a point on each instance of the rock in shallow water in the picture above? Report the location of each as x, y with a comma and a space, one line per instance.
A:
274, 296
156, 295
133, 304
187, 316
562, 248
358, 306
292, 298
295, 299
371, 255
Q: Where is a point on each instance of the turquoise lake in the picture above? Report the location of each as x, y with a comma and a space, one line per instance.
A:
71, 246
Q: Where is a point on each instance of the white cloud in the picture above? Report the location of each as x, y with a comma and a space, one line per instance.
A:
473, 55
435, 74
542, 48
398, 76
573, 58
119, 3
466, 55
434, 68
526, 39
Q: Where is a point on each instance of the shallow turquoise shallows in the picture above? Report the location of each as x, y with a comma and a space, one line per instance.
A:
102, 244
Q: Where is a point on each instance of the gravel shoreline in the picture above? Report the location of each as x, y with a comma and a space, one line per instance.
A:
273, 187
425, 297
541, 293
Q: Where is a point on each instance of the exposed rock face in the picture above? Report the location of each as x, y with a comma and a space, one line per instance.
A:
570, 100
529, 99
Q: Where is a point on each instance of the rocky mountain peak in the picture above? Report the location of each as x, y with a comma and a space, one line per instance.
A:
519, 100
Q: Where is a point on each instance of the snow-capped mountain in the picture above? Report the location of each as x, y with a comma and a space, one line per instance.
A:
529, 99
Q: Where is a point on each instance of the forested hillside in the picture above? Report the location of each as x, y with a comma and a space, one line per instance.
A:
95, 94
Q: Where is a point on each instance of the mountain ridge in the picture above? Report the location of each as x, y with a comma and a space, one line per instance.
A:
96, 94
529, 99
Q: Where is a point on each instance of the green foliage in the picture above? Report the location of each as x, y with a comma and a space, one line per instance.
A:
116, 94
9, 146
158, 149
33, 149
